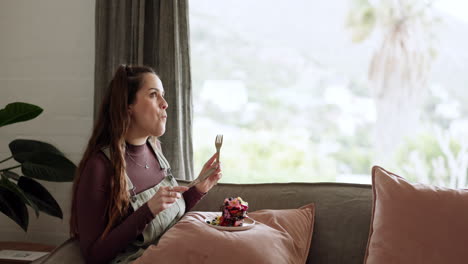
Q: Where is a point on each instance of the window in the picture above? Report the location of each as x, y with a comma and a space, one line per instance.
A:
322, 90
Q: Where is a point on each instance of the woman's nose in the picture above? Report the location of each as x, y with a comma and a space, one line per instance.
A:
164, 104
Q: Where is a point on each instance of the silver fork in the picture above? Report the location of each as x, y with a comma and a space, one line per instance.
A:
218, 144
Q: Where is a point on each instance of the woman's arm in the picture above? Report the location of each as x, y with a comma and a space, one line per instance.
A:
92, 196
192, 197
195, 193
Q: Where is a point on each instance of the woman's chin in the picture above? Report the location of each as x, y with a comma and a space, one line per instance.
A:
159, 132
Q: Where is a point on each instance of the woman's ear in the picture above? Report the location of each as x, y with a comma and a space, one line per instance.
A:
130, 109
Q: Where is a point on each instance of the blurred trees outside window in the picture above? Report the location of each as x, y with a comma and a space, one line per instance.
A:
322, 91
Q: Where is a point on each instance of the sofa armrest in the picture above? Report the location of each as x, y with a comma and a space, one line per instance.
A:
68, 252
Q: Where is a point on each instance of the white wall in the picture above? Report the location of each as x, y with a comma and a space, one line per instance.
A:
47, 58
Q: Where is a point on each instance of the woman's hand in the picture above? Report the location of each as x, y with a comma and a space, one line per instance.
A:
212, 179
164, 198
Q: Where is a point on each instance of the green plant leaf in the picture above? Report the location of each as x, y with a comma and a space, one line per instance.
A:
40, 196
49, 167
14, 188
13, 207
18, 112
23, 149
11, 175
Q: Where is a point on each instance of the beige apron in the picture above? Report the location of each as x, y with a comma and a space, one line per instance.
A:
161, 223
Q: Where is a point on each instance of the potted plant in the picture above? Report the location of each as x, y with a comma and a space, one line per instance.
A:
37, 160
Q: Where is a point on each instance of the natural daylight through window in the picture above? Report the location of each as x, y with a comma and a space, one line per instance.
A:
311, 91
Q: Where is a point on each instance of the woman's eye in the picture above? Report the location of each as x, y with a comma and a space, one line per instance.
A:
153, 94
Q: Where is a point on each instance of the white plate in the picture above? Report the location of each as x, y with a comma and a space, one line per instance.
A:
248, 223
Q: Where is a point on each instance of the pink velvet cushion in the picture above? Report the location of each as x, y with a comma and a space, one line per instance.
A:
280, 236
416, 223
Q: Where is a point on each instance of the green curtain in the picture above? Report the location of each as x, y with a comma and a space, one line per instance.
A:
153, 33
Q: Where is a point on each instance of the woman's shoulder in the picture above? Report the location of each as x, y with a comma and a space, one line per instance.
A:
98, 158
98, 165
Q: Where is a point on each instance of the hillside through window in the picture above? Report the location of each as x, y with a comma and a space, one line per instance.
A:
308, 91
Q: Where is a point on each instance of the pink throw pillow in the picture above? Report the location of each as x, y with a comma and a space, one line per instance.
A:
279, 236
416, 223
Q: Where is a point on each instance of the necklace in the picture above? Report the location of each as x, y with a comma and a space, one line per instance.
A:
144, 166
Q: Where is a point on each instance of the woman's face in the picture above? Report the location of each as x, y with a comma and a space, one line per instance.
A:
148, 111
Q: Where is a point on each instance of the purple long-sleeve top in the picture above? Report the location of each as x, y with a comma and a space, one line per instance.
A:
93, 194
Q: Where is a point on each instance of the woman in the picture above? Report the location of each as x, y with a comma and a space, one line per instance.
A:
124, 196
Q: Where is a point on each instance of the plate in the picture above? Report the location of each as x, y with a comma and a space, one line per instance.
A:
248, 223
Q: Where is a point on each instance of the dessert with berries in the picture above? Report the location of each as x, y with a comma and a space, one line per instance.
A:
234, 210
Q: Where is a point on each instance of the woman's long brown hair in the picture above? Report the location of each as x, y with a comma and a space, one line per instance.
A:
109, 131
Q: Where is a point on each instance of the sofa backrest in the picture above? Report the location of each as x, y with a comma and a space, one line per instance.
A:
342, 216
